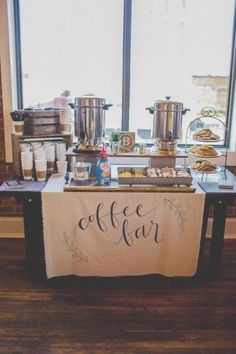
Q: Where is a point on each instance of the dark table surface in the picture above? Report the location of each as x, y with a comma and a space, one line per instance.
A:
208, 182
28, 186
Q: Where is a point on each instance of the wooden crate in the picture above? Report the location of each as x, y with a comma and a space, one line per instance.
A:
41, 122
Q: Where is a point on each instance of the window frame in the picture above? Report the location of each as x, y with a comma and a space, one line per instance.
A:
126, 69
6, 76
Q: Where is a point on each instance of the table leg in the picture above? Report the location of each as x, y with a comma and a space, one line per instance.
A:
203, 234
217, 241
33, 225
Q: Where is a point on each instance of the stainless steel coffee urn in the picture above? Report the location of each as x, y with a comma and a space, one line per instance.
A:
167, 124
89, 122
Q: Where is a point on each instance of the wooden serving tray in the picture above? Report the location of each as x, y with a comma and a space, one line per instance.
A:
115, 187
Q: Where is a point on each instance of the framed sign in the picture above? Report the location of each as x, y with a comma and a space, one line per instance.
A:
127, 141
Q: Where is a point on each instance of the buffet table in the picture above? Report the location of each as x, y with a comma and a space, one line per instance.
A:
31, 198
122, 232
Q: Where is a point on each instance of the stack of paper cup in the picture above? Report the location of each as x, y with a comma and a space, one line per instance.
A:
41, 169
39, 154
50, 156
60, 151
27, 164
65, 120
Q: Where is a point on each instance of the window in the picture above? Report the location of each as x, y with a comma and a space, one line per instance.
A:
75, 45
180, 49
177, 48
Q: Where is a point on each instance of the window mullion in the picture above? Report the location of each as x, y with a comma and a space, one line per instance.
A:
126, 64
18, 54
232, 77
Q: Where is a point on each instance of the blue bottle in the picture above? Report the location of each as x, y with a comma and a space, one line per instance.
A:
103, 168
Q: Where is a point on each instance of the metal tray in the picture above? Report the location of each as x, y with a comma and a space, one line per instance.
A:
152, 180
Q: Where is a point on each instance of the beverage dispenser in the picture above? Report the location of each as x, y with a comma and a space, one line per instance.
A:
167, 124
89, 122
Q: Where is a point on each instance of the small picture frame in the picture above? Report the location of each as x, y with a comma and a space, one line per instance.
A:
127, 141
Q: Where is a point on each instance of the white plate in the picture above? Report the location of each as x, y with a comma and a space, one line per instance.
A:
208, 141
207, 156
218, 169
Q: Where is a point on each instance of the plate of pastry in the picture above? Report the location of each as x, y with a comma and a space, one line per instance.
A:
204, 166
162, 175
204, 150
206, 134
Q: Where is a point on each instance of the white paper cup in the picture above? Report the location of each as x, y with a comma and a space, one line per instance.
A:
50, 156
41, 175
46, 143
36, 145
27, 164
27, 154
50, 165
18, 127
62, 167
38, 148
39, 154
50, 152
27, 158
61, 157
60, 151
27, 173
41, 163
41, 169
25, 147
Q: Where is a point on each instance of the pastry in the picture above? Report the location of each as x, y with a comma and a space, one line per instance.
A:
193, 149
151, 172
125, 174
204, 150
206, 134
203, 165
181, 173
166, 172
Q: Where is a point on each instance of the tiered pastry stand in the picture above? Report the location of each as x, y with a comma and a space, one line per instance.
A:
206, 113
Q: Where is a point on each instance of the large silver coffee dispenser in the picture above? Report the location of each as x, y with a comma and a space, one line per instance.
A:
89, 122
167, 124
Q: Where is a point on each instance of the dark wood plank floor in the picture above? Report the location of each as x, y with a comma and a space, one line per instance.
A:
115, 315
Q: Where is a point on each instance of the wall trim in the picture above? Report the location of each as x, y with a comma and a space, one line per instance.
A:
6, 78
14, 227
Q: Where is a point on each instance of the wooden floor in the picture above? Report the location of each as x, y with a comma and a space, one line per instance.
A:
115, 315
